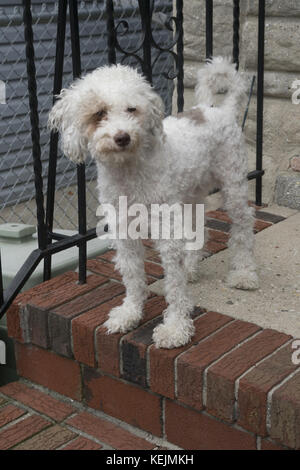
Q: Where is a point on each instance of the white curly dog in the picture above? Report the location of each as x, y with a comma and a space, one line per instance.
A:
114, 115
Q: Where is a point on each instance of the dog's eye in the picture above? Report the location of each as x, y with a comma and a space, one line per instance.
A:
131, 110
100, 114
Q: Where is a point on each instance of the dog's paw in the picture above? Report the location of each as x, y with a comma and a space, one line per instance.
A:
123, 319
173, 334
246, 280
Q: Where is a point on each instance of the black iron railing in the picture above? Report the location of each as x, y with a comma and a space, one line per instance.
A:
146, 53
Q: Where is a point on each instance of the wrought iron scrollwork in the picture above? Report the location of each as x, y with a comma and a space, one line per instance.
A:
148, 51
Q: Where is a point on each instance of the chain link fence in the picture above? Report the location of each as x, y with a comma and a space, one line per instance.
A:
16, 171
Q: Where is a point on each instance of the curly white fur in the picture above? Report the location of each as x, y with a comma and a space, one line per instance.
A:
114, 115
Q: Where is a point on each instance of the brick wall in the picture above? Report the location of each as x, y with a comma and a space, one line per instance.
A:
234, 386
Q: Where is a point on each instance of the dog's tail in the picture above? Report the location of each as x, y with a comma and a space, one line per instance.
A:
219, 76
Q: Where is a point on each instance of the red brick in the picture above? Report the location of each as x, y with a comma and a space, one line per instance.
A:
219, 215
90, 300
108, 255
30, 295
37, 400
9, 413
104, 268
13, 314
193, 430
150, 280
50, 370
154, 270
59, 319
162, 379
152, 255
14, 329
124, 401
216, 236
222, 376
108, 432
49, 439
266, 444
2, 400
192, 364
255, 386
82, 443
260, 225
22, 430
69, 291
285, 413
135, 344
108, 345
34, 319
214, 247
148, 243
252, 204
84, 327
34, 323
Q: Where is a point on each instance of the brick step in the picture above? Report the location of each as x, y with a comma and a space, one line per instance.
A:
233, 387
34, 418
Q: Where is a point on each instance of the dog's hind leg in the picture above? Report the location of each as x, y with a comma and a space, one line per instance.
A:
177, 327
193, 258
130, 262
242, 273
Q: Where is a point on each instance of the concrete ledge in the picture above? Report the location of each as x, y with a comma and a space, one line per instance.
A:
276, 304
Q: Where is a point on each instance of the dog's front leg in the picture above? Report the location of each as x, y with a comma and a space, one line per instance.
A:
130, 263
177, 327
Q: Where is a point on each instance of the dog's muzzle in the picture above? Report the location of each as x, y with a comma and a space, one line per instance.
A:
122, 139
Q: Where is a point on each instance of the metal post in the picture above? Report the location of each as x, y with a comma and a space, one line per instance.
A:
209, 29
260, 99
81, 183
111, 34
146, 9
180, 76
1, 284
58, 74
34, 120
236, 32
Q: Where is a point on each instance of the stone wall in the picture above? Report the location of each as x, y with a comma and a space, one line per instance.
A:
282, 67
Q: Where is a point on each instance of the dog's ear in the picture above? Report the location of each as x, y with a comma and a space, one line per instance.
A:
63, 119
157, 111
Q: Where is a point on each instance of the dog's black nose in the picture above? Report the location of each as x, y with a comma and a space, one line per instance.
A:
122, 139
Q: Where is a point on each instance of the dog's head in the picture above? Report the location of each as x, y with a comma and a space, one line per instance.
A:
111, 113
